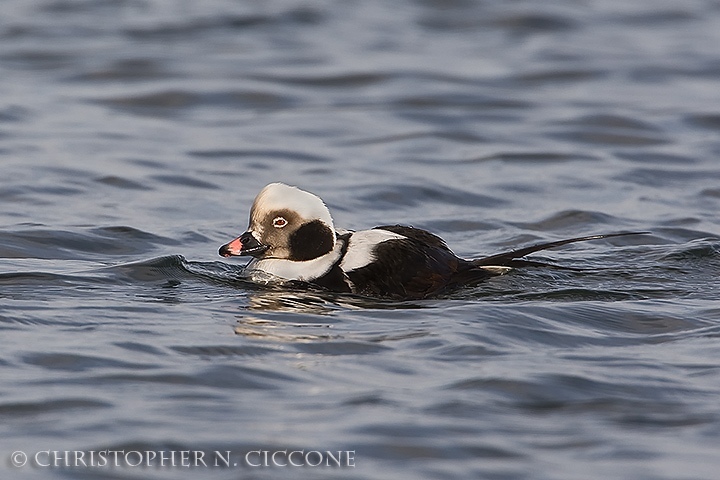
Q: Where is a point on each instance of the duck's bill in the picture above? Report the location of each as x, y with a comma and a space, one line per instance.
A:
245, 244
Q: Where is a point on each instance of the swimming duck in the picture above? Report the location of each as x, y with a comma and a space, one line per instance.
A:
292, 236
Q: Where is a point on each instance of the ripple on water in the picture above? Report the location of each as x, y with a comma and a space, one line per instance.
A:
268, 154
398, 195
12, 410
122, 183
65, 244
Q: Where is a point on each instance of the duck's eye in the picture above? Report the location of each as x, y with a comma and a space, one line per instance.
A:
279, 222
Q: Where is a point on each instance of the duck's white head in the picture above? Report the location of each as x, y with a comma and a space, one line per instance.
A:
285, 223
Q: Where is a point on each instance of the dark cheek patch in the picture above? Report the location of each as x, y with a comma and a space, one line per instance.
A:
311, 240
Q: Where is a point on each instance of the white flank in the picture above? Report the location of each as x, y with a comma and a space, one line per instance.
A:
361, 249
497, 270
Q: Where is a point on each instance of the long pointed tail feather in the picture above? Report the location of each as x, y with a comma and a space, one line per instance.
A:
513, 257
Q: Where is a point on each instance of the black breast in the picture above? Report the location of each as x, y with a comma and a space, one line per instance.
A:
415, 267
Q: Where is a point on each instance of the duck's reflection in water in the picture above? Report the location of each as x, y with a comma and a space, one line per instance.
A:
314, 313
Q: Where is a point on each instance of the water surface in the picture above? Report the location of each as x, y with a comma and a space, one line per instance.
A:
135, 134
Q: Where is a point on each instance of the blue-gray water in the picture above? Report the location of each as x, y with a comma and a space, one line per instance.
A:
134, 135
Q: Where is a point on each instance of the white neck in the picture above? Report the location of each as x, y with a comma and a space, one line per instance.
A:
306, 270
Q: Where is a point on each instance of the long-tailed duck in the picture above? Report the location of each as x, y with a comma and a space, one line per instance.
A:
292, 236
